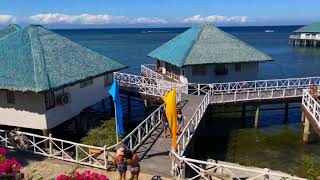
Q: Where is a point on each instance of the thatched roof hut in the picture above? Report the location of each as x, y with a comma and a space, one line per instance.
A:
37, 59
189, 56
206, 44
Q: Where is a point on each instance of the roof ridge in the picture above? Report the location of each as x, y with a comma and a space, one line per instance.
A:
193, 42
10, 34
38, 60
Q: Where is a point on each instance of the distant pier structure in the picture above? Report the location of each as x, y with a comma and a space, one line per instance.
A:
306, 36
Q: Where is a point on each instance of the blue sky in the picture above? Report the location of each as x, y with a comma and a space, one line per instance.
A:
159, 13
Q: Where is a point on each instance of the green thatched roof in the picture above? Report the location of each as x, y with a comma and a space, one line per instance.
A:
9, 30
206, 44
36, 59
312, 28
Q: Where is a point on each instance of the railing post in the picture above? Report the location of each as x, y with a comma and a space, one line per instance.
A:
130, 143
50, 144
34, 142
139, 135
105, 158
198, 89
77, 153
6, 138
183, 142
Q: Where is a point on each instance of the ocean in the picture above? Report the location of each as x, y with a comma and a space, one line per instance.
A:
226, 136
131, 47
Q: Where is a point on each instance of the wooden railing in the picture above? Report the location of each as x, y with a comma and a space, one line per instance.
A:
94, 156
137, 136
311, 105
83, 154
221, 170
148, 86
149, 70
192, 125
313, 37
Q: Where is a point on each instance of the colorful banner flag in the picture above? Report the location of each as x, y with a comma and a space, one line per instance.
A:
171, 112
114, 92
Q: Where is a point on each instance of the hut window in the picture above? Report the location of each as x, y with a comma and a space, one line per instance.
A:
49, 100
86, 83
10, 97
238, 67
199, 70
107, 80
221, 69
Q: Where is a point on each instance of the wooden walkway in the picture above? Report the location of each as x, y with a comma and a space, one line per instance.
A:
155, 151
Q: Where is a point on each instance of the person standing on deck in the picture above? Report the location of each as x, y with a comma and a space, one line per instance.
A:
133, 161
180, 121
165, 123
121, 163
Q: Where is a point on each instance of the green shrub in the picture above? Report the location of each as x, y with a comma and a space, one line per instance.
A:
104, 135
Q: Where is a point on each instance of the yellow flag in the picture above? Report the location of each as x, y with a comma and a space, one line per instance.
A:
171, 112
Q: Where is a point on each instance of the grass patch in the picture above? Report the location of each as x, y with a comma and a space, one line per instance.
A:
104, 135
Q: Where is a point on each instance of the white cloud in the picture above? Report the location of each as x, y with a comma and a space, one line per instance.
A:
143, 20
7, 19
57, 18
104, 19
216, 19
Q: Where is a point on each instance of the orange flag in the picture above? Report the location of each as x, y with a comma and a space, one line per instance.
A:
171, 112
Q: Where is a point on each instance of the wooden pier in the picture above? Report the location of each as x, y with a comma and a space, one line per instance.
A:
157, 160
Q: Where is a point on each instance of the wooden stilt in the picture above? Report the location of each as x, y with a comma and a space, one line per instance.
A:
129, 106
243, 112
286, 113
243, 116
303, 116
306, 130
256, 119
111, 107
103, 103
146, 106
46, 132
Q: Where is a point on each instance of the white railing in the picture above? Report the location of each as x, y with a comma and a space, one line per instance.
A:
223, 92
99, 157
254, 90
198, 89
313, 37
222, 170
261, 89
256, 95
137, 136
146, 85
192, 125
149, 70
83, 154
311, 105
273, 84
295, 36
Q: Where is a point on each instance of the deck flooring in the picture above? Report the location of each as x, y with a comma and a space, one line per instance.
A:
155, 152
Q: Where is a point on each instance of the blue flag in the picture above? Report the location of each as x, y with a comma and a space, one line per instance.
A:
114, 92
